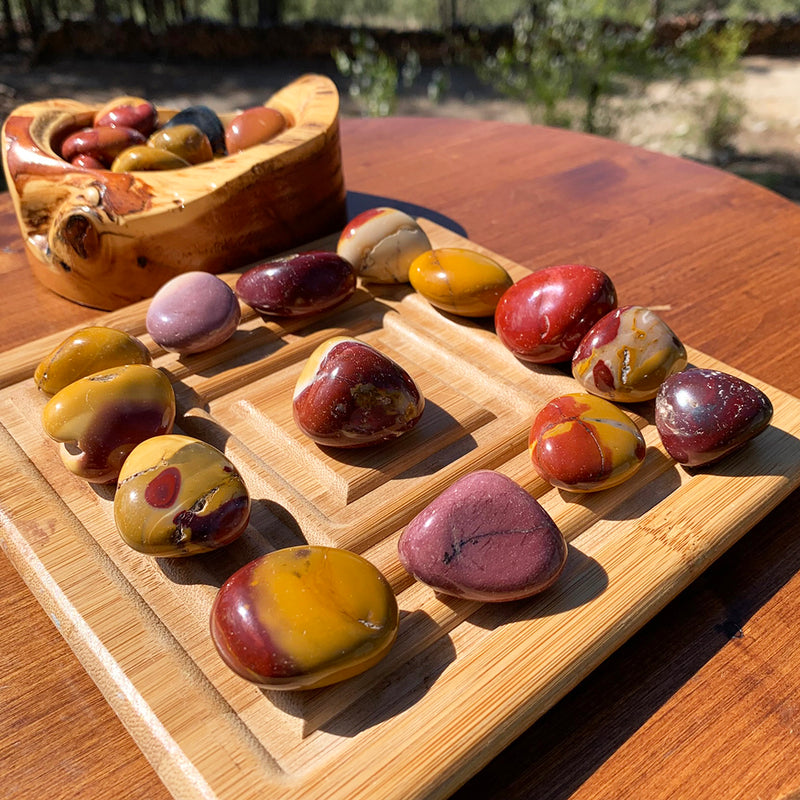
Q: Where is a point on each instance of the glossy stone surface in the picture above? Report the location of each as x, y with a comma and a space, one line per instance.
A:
128, 112
103, 144
187, 142
86, 351
297, 285
304, 617
193, 312
584, 443
147, 159
207, 120
459, 281
627, 355
544, 316
484, 538
703, 415
253, 126
86, 161
101, 418
351, 395
381, 243
178, 496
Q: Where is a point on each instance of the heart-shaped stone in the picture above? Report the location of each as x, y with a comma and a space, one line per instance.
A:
704, 414
349, 394
484, 538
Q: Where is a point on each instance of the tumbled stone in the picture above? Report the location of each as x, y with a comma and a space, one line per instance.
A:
484, 538
349, 394
187, 142
459, 281
101, 418
193, 312
627, 355
381, 243
207, 120
544, 316
304, 617
103, 144
297, 285
179, 496
128, 112
584, 443
86, 351
144, 158
253, 126
703, 415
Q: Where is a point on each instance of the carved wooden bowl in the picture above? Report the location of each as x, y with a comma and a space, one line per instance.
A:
107, 239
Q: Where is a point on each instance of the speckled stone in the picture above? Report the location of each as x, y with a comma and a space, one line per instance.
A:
484, 538
193, 312
702, 415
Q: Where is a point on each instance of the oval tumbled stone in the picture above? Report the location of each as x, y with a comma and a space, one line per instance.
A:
192, 313
304, 617
178, 496
297, 285
459, 281
86, 351
703, 414
484, 538
584, 443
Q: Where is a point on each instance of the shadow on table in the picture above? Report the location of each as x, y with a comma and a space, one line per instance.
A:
358, 202
570, 743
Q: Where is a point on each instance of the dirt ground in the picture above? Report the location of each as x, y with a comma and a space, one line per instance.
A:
766, 146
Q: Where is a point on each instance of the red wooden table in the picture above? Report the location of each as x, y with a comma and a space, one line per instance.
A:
702, 702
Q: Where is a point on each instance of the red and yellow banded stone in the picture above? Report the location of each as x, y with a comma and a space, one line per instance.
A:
304, 617
584, 443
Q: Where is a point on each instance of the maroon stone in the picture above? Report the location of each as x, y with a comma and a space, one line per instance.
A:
484, 538
543, 317
703, 414
297, 285
104, 143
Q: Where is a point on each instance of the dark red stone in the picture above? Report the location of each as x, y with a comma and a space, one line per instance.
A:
703, 415
544, 316
297, 285
104, 143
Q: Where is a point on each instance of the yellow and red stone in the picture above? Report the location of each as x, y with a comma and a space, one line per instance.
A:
459, 281
304, 617
101, 418
143, 158
627, 355
584, 443
349, 394
85, 352
178, 496
381, 243
185, 141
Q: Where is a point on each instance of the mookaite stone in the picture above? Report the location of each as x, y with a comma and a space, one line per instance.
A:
253, 126
484, 538
459, 281
304, 617
584, 443
627, 355
178, 496
703, 414
543, 317
193, 312
349, 394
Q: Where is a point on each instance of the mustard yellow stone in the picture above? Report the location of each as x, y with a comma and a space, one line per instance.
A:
142, 157
304, 617
459, 281
86, 351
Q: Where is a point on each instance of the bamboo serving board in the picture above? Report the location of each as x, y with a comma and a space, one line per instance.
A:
463, 678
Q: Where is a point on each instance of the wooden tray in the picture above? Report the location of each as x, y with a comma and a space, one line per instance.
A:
463, 678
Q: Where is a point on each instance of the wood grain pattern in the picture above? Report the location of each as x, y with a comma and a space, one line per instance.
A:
463, 679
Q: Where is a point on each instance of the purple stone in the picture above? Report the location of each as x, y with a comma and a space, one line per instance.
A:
484, 538
193, 312
703, 414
